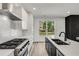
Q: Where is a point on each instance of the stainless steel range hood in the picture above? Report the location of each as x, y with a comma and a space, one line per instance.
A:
5, 11
10, 15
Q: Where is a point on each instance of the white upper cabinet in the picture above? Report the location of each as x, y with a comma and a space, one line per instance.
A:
24, 19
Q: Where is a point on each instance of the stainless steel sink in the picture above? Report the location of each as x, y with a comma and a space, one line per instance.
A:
59, 42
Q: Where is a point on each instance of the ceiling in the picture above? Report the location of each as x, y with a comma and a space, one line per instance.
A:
52, 9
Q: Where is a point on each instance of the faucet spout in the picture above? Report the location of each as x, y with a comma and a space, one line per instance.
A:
64, 36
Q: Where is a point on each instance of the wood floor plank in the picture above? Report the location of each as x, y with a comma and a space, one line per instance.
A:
39, 50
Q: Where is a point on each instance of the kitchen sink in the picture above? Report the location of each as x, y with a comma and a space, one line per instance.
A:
59, 42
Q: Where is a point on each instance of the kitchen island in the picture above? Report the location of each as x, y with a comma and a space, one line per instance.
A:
67, 50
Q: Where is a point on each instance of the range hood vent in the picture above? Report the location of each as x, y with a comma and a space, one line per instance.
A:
5, 11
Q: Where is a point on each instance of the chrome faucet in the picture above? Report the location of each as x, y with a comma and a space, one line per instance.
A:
64, 36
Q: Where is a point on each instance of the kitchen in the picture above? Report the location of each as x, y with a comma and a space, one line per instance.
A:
39, 29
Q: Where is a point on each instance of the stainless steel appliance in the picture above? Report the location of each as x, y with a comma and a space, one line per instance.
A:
20, 46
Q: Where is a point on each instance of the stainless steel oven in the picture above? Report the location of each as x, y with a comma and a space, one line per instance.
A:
19, 45
22, 50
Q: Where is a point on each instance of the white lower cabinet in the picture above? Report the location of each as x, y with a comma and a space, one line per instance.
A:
58, 53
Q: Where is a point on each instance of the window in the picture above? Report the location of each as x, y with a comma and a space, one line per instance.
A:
46, 28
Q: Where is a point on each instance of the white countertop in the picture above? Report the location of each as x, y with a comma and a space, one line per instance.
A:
6, 52
68, 50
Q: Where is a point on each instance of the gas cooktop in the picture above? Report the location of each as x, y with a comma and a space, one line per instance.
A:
12, 44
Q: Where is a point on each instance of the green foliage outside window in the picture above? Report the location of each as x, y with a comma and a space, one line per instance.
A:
49, 25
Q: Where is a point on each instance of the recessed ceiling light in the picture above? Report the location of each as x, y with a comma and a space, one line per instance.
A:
68, 12
34, 8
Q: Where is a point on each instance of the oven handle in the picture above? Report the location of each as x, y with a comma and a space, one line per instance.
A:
26, 52
27, 43
21, 53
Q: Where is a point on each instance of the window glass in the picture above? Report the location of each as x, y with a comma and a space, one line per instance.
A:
46, 28
42, 29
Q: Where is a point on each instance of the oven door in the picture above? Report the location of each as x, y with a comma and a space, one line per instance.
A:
24, 51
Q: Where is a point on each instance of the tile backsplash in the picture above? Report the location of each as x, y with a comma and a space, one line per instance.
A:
6, 32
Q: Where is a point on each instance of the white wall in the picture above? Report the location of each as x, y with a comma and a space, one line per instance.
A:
59, 24
59, 27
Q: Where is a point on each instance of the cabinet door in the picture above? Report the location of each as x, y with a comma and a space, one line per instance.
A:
53, 49
72, 27
24, 19
46, 44
50, 48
